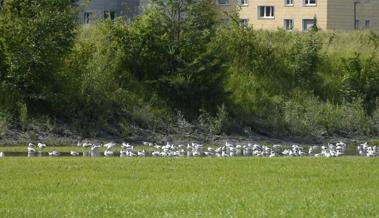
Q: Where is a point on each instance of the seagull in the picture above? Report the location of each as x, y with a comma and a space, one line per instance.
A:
125, 145
272, 154
95, 147
224, 154
31, 150
110, 145
141, 153
54, 154
86, 145
123, 153
108, 153
41, 146
74, 153
155, 153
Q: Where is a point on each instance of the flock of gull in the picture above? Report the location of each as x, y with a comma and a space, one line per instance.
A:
199, 150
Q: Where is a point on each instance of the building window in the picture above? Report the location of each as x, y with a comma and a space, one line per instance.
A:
244, 2
87, 17
244, 22
223, 2
309, 2
109, 15
288, 24
308, 24
357, 24
288, 2
266, 12
367, 24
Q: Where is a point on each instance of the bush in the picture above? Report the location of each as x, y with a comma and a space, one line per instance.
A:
310, 116
214, 125
4, 122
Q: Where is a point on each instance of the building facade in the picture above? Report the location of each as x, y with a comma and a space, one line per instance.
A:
109, 9
302, 14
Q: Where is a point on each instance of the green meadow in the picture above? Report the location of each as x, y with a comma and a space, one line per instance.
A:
189, 187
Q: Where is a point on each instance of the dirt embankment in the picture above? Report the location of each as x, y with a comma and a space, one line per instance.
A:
63, 135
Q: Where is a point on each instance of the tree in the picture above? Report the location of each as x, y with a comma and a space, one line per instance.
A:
38, 33
170, 48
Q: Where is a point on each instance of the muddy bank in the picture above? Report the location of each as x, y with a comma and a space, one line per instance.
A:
66, 136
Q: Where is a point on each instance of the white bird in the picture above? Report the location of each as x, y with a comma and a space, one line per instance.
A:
141, 153
41, 146
31, 145
189, 153
155, 153
74, 153
196, 153
108, 153
224, 154
131, 153
86, 145
310, 151
123, 153
54, 153
31, 150
125, 145
2, 154
110, 145
95, 147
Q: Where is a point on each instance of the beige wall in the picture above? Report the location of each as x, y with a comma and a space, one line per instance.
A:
341, 14
331, 14
297, 12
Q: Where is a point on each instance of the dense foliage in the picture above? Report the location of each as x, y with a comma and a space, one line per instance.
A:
176, 66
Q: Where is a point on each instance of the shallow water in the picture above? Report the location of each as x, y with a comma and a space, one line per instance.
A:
61, 154
350, 150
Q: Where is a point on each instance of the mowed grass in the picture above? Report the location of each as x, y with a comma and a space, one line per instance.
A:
189, 187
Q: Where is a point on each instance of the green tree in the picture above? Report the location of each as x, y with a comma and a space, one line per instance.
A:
38, 33
170, 49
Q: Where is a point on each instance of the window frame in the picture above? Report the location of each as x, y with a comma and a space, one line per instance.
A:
246, 2
307, 3
303, 23
109, 14
367, 24
265, 17
87, 15
285, 24
244, 24
227, 3
289, 5
357, 24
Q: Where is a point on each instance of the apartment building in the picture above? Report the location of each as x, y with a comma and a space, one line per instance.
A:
303, 14
109, 9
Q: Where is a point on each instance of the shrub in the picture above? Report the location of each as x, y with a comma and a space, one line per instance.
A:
310, 116
4, 122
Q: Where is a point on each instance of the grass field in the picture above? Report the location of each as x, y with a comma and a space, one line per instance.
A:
189, 187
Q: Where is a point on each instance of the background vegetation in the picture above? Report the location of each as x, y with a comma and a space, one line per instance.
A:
177, 68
